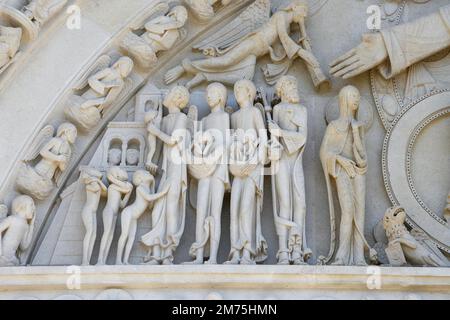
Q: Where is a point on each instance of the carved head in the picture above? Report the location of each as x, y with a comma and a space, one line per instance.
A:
245, 92
117, 173
180, 14
216, 95
24, 207
114, 157
133, 157
124, 66
178, 97
299, 9
143, 177
349, 100
67, 131
287, 89
394, 220
89, 174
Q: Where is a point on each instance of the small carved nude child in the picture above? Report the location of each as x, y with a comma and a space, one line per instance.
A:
16, 231
119, 192
152, 118
144, 183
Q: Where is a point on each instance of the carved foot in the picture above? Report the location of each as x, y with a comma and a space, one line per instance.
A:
167, 262
247, 262
283, 262
338, 262
211, 262
232, 262
151, 262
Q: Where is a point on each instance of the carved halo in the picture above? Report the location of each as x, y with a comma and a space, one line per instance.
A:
397, 159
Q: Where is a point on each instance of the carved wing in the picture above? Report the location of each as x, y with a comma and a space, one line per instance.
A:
39, 142
102, 63
161, 8
247, 22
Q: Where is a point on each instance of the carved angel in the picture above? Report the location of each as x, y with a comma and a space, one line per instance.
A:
16, 230
9, 46
252, 35
40, 11
161, 34
413, 247
53, 157
101, 87
203, 10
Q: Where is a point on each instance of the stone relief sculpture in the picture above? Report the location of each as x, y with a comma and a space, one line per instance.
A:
393, 50
98, 90
414, 248
16, 230
54, 156
247, 159
95, 189
203, 10
289, 127
10, 39
153, 118
119, 193
40, 11
211, 171
169, 212
161, 34
344, 159
252, 35
145, 184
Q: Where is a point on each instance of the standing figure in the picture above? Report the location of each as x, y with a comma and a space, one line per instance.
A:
145, 184
153, 118
103, 88
248, 245
9, 45
161, 34
344, 159
169, 213
16, 231
55, 156
40, 11
289, 126
95, 189
119, 192
212, 186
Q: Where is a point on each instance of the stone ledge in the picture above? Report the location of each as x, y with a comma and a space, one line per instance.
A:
226, 277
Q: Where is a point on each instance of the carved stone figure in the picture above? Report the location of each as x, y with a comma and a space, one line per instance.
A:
114, 157
145, 184
169, 213
394, 50
161, 34
289, 125
119, 193
212, 174
40, 11
95, 189
16, 230
203, 10
248, 245
344, 159
55, 156
250, 36
101, 89
405, 247
9, 45
133, 157
153, 118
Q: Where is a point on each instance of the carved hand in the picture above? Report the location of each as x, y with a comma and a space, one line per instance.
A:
367, 55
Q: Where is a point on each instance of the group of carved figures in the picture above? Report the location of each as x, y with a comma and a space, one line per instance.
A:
27, 20
231, 151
